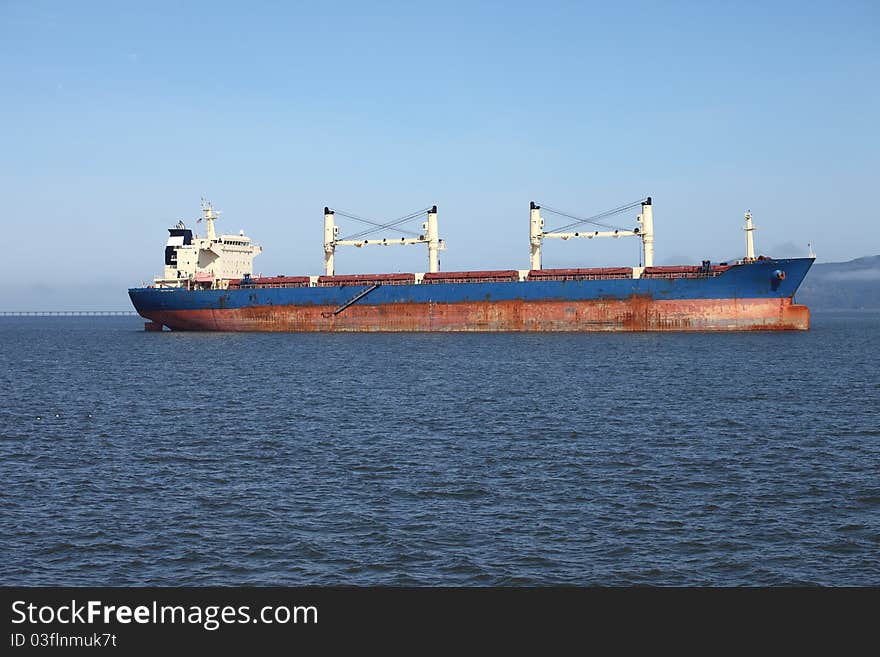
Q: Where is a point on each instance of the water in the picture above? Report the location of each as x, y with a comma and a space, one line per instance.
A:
132, 458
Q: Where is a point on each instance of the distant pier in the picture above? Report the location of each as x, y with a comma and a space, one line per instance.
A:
67, 313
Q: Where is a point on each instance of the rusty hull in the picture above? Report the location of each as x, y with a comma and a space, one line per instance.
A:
633, 314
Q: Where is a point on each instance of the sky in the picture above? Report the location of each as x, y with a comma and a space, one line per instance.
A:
117, 117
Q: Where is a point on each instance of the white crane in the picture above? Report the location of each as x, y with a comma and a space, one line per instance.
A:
645, 231
430, 237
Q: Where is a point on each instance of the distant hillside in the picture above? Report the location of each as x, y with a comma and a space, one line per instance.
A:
853, 285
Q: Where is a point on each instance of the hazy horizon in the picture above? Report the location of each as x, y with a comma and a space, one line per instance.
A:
117, 119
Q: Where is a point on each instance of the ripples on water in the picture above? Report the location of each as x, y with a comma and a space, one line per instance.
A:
134, 458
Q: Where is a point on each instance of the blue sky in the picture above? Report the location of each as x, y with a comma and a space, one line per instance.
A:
117, 117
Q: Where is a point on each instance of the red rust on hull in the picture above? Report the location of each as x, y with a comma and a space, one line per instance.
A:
633, 314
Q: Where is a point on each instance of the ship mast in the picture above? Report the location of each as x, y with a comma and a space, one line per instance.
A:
646, 228
331, 232
209, 215
536, 234
750, 240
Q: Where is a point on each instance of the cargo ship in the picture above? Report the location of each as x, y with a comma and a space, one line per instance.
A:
208, 284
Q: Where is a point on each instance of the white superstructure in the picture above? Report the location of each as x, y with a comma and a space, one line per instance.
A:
208, 261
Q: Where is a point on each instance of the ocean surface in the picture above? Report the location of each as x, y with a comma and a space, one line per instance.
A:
133, 458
